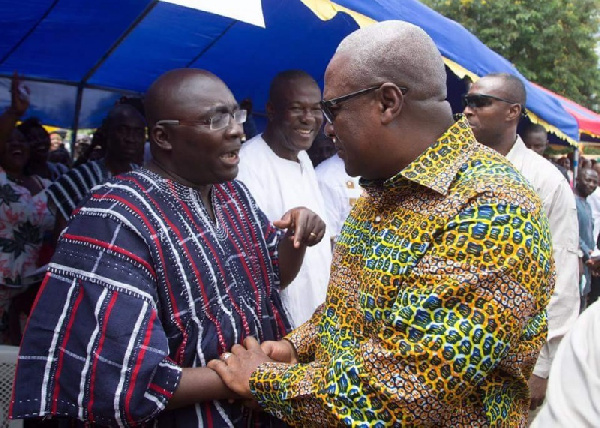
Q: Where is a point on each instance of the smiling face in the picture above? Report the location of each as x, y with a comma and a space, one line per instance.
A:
587, 181
295, 117
39, 142
16, 153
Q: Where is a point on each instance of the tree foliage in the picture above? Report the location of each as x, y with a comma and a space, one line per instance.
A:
551, 42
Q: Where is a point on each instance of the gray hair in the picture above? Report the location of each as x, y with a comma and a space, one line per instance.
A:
399, 52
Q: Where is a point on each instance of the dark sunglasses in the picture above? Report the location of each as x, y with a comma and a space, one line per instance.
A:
326, 105
481, 100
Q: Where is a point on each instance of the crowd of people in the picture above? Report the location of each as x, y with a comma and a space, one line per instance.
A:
369, 259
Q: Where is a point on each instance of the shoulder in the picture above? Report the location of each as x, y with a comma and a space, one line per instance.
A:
253, 145
491, 177
542, 173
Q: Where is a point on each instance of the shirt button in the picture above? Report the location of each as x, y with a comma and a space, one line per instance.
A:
377, 219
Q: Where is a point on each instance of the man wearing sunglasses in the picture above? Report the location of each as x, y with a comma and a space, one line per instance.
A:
441, 273
162, 270
493, 107
277, 170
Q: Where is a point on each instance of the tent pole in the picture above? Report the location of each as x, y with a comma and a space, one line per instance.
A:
75, 126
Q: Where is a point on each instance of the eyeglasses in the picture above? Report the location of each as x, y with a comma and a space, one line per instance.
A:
327, 105
215, 122
482, 100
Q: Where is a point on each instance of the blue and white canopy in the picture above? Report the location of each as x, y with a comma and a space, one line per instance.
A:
79, 56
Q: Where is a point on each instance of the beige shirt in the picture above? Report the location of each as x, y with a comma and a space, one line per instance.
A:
559, 204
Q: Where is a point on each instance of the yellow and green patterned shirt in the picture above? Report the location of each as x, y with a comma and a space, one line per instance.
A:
435, 311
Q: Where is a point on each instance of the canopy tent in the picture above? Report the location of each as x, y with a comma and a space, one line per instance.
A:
79, 56
587, 120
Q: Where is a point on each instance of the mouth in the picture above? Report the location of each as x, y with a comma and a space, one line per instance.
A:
305, 132
231, 158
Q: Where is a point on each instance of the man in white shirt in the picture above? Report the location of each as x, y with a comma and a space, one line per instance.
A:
594, 201
275, 167
574, 385
340, 192
493, 106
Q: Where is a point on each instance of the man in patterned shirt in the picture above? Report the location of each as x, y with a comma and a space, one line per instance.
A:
162, 269
435, 311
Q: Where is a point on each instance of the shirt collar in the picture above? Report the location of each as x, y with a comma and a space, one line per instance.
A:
436, 167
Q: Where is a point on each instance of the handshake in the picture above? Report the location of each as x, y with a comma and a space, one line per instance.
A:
236, 367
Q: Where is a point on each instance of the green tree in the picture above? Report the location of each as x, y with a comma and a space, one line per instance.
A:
551, 42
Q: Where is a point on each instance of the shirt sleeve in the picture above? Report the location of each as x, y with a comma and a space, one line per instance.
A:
472, 300
563, 308
94, 348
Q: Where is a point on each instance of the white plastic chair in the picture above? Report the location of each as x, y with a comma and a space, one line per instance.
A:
8, 364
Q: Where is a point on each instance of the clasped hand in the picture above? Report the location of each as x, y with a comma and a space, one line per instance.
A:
236, 367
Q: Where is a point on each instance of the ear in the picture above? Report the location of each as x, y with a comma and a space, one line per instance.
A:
514, 112
160, 136
391, 101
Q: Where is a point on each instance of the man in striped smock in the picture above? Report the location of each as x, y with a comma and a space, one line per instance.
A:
125, 135
163, 269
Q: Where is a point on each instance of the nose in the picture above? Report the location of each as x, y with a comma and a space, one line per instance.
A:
234, 129
468, 111
328, 130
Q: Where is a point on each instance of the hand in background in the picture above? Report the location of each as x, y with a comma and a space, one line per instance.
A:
304, 226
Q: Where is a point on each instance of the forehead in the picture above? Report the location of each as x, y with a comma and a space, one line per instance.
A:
337, 81
487, 85
300, 90
196, 96
128, 117
538, 137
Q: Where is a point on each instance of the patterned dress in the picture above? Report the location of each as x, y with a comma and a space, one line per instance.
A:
144, 283
435, 312
24, 219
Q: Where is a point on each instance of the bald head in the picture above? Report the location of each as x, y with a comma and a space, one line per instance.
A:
282, 81
118, 113
398, 52
511, 86
175, 92
199, 142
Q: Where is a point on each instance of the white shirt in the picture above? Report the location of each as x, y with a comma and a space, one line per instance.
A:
340, 192
594, 201
559, 204
574, 384
278, 185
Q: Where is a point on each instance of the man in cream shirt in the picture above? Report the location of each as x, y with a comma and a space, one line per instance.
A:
280, 176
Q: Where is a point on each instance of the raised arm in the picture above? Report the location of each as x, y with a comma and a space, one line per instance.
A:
19, 103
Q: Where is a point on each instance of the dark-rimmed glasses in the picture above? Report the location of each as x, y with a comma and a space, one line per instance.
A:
482, 100
216, 122
327, 105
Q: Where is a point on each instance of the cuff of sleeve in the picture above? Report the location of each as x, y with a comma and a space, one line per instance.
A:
165, 382
304, 337
273, 385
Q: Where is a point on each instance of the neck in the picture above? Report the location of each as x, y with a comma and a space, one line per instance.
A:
14, 172
505, 142
273, 141
117, 166
165, 172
